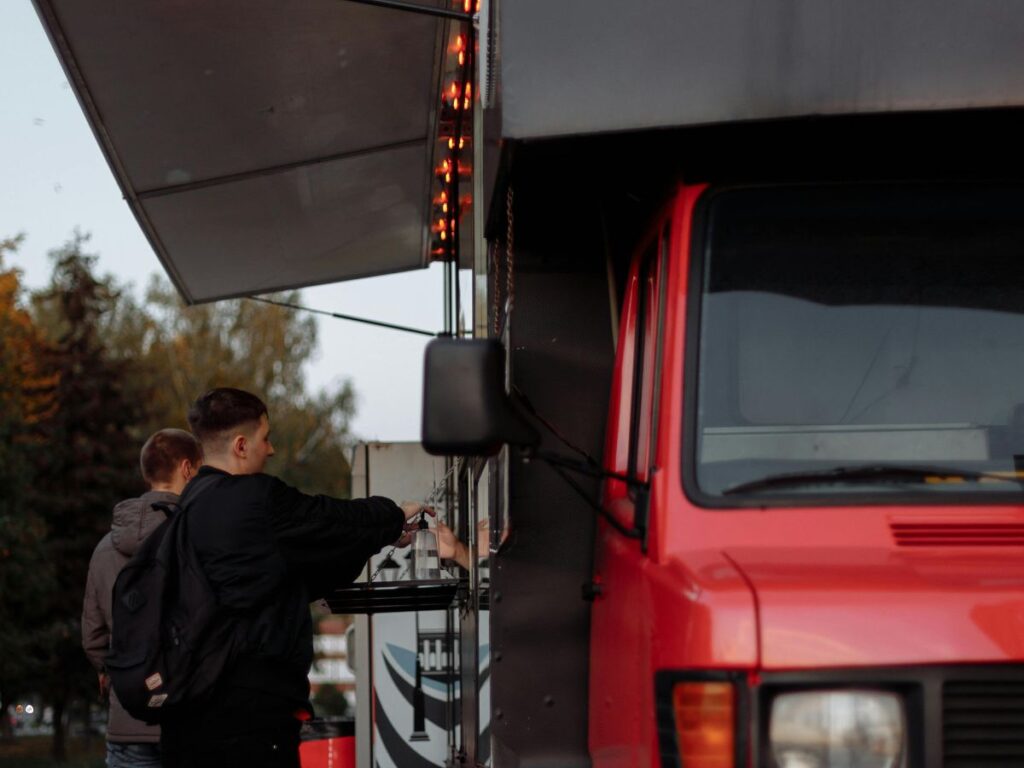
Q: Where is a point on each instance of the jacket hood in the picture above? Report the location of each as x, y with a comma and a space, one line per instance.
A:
135, 519
856, 607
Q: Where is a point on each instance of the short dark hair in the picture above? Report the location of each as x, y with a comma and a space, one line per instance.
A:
164, 451
223, 409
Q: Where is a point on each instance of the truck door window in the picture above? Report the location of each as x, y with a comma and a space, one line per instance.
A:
851, 336
650, 306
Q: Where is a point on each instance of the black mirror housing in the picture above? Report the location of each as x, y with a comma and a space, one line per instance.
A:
466, 411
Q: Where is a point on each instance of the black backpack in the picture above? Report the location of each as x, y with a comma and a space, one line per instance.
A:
169, 642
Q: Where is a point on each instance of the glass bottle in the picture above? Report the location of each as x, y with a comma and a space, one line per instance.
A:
424, 553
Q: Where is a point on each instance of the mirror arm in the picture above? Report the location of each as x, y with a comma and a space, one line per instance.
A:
630, 533
585, 468
562, 466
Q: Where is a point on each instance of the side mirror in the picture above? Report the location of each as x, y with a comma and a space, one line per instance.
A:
466, 411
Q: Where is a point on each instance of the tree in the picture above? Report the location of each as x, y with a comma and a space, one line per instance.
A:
26, 576
329, 701
84, 378
184, 351
87, 458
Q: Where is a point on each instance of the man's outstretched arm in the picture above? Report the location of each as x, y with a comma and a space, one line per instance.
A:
327, 540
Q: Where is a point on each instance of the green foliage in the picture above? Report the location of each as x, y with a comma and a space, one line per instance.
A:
184, 351
86, 374
26, 575
81, 466
329, 701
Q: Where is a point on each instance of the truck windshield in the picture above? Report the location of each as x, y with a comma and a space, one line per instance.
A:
862, 339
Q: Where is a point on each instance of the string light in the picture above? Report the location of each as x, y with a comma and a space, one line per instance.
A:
455, 96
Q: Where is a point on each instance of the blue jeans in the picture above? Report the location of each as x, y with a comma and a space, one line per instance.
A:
132, 755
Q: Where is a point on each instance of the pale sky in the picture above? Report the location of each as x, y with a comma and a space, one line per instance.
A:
53, 178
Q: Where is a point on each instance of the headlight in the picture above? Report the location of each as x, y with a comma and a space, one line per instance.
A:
838, 729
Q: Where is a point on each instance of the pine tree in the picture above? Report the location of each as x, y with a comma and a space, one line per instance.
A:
86, 461
26, 399
84, 379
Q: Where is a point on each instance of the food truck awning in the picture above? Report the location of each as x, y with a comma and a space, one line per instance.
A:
268, 144
261, 144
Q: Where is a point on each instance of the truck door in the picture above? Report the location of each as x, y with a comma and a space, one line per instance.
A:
620, 731
632, 432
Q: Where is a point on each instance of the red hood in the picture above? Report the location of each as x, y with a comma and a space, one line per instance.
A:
858, 607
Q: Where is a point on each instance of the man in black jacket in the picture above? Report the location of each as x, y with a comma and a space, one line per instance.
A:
268, 551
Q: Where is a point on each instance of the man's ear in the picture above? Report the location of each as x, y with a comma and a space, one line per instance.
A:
188, 469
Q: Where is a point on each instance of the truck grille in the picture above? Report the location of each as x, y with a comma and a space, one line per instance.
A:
983, 723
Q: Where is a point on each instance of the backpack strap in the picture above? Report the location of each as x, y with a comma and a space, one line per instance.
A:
196, 487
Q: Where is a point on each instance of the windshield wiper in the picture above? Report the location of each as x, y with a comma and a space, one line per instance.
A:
870, 473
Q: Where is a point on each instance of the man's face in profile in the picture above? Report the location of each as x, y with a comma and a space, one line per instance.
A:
258, 447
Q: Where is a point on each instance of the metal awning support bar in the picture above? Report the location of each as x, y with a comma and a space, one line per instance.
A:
255, 173
340, 316
398, 5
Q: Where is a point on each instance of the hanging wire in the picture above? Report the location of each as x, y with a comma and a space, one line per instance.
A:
388, 558
340, 316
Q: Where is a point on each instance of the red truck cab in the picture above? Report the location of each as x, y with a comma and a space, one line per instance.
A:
818, 398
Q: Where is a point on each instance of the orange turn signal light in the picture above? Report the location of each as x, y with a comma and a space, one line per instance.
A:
705, 718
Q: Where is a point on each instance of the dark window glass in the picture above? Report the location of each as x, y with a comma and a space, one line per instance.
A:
850, 330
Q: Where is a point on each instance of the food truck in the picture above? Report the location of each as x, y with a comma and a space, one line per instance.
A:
741, 403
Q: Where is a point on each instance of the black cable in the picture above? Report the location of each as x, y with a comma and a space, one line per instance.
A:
585, 469
340, 316
525, 401
631, 533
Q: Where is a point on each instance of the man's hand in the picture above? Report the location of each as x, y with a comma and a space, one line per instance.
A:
104, 680
449, 547
411, 510
447, 544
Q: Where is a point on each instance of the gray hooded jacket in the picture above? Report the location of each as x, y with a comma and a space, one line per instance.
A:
134, 520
